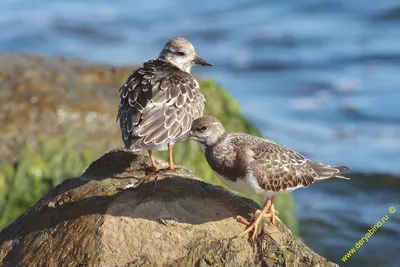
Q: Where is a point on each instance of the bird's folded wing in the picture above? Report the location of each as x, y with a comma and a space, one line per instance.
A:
158, 104
279, 168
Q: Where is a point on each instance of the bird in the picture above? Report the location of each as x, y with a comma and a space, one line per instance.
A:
253, 165
159, 101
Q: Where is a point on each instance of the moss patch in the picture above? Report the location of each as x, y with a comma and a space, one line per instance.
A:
39, 170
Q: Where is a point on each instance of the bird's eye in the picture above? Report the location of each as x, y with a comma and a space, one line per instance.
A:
203, 128
181, 53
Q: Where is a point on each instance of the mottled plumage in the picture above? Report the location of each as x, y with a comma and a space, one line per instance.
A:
254, 165
275, 167
158, 104
160, 100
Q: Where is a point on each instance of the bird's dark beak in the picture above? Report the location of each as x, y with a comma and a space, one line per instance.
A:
199, 61
186, 136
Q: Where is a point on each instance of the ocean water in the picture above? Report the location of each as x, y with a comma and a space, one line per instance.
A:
321, 77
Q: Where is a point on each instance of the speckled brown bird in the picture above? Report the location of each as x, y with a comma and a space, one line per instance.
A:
253, 165
160, 100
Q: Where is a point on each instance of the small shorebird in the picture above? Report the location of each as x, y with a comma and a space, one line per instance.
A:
253, 165
160, 100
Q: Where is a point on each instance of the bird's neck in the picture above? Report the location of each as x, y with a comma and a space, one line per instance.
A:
188, 69
220, 140
221, 158
161, 56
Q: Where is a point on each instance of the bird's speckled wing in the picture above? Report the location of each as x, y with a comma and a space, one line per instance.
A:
278, 168
158, 104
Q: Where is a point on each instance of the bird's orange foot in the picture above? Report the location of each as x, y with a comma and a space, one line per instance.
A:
256, 222
173, 167
243, 220
167, 166
253, 227
152, 168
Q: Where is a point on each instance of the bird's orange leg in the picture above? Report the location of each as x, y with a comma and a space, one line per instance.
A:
272, 210
153, 166
170, 158
171, 165
268, 205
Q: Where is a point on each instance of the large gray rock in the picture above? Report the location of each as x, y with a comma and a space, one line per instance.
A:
116, 214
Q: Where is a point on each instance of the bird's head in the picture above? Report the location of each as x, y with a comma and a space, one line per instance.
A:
205, 130
180, 52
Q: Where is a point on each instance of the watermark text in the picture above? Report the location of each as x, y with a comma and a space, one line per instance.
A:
368, 235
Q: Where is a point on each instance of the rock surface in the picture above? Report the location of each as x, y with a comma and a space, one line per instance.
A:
118, 214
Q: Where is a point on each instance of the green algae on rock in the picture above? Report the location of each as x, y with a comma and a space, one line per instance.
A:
44, 99
38, 171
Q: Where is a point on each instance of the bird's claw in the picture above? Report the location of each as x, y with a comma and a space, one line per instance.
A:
253, 226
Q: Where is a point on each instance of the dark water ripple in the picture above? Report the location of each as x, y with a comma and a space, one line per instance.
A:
392, 14
321, 77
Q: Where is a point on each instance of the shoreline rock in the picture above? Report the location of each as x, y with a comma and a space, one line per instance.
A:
116, 214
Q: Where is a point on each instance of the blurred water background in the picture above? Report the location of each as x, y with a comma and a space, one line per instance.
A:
321, 77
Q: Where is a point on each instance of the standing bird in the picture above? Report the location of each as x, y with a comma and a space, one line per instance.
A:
160, 100
253, 165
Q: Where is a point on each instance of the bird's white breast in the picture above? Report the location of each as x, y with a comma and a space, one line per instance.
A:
246, 185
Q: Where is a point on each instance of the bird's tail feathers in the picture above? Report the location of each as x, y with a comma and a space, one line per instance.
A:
326, 171
342, 177
342, 169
